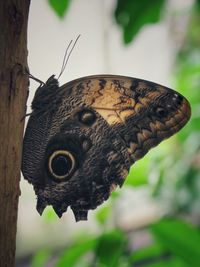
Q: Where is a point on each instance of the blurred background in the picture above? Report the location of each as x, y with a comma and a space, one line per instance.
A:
154, 219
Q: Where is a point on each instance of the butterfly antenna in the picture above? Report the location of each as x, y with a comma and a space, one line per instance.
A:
64, 59
67, 55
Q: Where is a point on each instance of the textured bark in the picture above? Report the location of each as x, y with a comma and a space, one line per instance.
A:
13, 95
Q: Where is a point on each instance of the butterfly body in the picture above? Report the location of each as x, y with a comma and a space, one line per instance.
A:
82, 137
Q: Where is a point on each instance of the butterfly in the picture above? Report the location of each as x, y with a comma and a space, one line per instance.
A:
82, 137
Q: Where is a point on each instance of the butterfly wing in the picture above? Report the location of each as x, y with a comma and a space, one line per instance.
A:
141, 112
82, 137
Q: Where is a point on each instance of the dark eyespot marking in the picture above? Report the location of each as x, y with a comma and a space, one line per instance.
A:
87, 117
61, 164
177, 99
161, 112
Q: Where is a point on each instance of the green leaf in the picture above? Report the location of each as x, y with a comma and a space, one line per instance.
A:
198, 4
73, 254
49, 214
60, 6
102, 214
138, 174
155, 255
115, 195
179, 238
133, 15
153, 251
169, 262
40, 258
110, 248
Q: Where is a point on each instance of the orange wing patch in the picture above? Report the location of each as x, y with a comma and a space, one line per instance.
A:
108, 98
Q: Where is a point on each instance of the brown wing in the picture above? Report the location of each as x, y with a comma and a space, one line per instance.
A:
82, 137
144, 113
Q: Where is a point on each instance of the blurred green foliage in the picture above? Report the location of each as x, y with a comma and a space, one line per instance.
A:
40, 258
175, 165
131, 16
179, 172
180, 239
60, 7
74, 255
175, 243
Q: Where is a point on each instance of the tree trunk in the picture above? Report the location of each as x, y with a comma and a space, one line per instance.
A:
13, 96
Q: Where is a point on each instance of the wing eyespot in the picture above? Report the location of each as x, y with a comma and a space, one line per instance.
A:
161, 112
61, 165
177, 99
86, 117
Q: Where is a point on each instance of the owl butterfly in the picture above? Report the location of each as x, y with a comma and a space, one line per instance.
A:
82, 137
